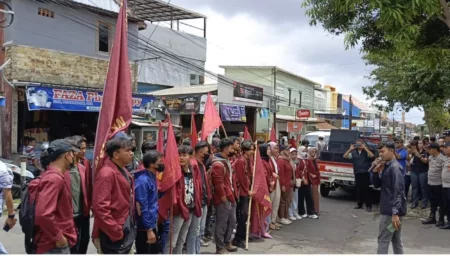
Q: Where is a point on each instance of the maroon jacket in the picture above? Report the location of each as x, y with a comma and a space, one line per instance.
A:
111, 201
88, 176
269, 175
197, 164
180, 209
312, 169
286, 172
54, 212
220, 175
243, 168
84, 187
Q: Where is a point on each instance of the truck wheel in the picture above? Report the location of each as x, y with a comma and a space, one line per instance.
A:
324, 190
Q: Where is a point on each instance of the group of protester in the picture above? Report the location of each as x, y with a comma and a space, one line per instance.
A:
130, 208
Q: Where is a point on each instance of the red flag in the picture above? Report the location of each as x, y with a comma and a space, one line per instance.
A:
247, 134
116, 109
211, 118
261, 197
273, 134
160, 144
194, 137
172, 173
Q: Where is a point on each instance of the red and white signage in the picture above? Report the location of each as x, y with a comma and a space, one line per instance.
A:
303, 113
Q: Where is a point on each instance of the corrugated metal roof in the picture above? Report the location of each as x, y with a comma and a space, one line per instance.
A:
184, 90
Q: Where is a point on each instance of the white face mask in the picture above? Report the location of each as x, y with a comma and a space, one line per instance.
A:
304, 155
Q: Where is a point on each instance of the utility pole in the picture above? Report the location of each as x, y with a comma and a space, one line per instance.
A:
350, 114
275, 95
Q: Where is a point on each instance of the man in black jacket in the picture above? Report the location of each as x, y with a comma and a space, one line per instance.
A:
389, 176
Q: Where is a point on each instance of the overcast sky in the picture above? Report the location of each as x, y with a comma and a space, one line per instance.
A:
243, 32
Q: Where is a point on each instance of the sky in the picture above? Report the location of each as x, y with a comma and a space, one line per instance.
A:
241, 32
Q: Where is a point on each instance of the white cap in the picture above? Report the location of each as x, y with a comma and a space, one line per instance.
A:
292, 150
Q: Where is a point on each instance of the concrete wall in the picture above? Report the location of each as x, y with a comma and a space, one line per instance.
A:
70, 31
46, 66
162, 68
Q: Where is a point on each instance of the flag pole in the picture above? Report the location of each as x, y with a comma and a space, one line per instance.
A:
251, 198
171, 224
224, 131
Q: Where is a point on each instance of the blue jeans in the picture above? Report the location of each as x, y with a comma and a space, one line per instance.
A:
202, 228
419, 183
293, 208
192, 235
2, 249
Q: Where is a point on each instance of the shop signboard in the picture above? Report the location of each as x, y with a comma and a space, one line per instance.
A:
232, 113
247, 93
72, 99
294, 127
182, 105
303, 113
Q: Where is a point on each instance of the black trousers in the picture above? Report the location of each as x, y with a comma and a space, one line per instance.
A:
241, 229
446, 199
82, 223
208, 229
363, 190
305, 194
142, 247
436, 195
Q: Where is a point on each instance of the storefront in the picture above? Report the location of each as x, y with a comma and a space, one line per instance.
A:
51, 112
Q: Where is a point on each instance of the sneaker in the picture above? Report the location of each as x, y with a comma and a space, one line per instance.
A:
313, 216
304, 216
289, 221
234, 231
292, 218
222, 251
203, 243
231, 248
298, 217
284, 221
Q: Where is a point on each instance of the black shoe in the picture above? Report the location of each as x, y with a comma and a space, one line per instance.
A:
424, 207
440, 223
445, 226
358, 207
369, 208
430, 220
240, 244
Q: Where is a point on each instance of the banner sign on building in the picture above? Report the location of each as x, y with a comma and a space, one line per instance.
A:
294, 127
303, 113
71, 99
182, 105
248, 93
232, 113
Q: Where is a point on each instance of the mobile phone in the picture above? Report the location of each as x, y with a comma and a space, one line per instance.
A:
6, 227
391, 228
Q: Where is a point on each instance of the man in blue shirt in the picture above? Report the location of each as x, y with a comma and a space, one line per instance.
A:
146, 190
401, 153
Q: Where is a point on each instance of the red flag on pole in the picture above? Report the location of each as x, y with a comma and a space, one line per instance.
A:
247, 134
194, 137
261, 197
211, 118
273, 134
116, 109
160, 144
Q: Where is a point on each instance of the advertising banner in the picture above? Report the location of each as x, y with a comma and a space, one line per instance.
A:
232, 113
182, 105
248, 93
71, 99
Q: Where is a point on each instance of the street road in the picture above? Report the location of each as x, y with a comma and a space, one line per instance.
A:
340, 229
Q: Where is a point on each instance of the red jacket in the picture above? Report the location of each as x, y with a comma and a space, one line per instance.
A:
180, 209
312, 169
220, 175
111, 201
286, 172
88, 176
84, 187
197, 164
269, 175
243, 168
54, 212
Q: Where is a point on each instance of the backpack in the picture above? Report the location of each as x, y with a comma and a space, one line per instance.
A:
27, 213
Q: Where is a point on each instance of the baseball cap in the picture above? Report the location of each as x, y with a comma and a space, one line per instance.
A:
283, 147
292, 150
435, 146
61, 146
447, 144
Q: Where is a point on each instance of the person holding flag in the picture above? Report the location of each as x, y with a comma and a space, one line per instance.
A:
224, 197
243, 168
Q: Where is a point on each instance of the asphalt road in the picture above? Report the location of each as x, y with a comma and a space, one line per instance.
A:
340, 229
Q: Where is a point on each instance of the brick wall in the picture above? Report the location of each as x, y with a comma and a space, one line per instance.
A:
52, 67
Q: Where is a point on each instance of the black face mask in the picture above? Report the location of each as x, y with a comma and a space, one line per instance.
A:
206, 157
160, 168
133, 149
230, 154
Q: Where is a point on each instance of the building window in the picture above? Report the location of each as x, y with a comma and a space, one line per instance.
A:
300, 99
46, 13
103, 37
290, 92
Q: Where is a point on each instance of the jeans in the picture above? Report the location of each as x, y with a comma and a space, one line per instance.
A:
208, 232
202, 228
82, 223
385, 237
241, 229
180, 230
163, 230
407, 185
225, 223
419, 182
193, 234
2, 249
293, 209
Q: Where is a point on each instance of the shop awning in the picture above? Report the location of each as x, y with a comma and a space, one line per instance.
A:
185, 90
324, 126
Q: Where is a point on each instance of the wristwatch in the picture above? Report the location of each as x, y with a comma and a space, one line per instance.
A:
12, 216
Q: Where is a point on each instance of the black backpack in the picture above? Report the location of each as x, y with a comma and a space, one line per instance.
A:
27, 214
